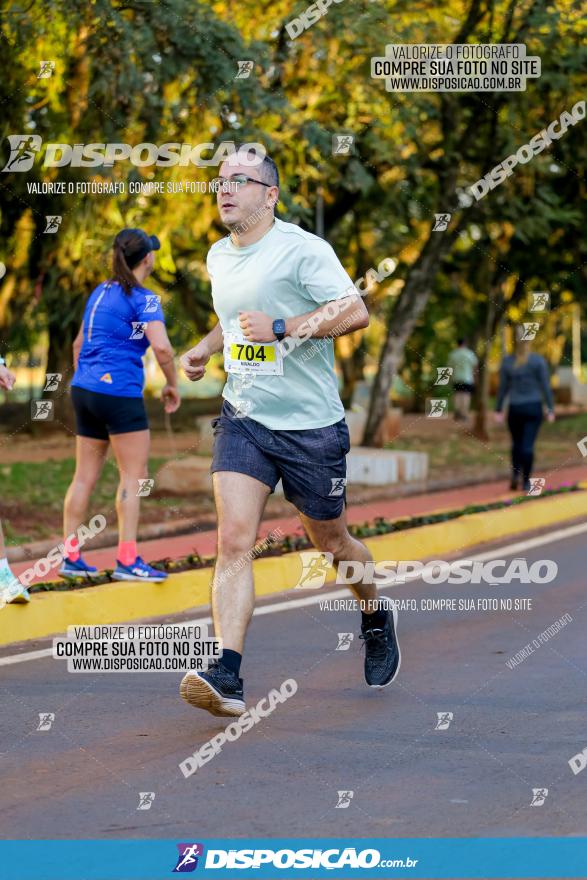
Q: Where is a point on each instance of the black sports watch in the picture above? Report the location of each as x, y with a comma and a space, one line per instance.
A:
279, 328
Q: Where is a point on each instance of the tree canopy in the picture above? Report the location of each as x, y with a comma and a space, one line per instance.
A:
140, 72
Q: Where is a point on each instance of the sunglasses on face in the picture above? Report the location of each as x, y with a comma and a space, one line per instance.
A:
233, 183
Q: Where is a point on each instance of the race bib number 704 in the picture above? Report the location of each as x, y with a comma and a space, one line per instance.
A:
243, 356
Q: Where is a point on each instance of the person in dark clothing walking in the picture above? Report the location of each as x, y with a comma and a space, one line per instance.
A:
525, 381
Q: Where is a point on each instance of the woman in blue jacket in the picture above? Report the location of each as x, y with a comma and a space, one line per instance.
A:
525, 381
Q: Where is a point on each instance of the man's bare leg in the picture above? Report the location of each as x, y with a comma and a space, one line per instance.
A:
382, 654
240, 501
459, 404
333, 536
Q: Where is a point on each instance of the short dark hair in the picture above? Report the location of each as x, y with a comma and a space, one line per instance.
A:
268, 171
267, 168
462, 340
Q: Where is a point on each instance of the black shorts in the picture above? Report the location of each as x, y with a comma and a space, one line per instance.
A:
464, 386
98, 415
310, 463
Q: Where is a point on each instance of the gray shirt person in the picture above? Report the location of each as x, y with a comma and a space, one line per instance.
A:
526, 383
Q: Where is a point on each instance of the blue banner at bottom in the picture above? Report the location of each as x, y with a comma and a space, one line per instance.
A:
271, 858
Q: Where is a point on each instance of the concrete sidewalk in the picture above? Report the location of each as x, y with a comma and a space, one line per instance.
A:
204, 542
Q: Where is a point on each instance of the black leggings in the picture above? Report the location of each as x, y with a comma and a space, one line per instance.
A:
524, 422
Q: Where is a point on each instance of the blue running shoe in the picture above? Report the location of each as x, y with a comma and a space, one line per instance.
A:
78, 569
138, 571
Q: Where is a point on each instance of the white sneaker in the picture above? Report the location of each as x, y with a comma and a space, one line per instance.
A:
11, 589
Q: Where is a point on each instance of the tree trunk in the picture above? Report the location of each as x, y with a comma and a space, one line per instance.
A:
409, 306
78, 77
496, 307
352, 372
60, 360
352, 367
480, 430
420, 387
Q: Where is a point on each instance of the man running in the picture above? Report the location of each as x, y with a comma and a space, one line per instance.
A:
282, 417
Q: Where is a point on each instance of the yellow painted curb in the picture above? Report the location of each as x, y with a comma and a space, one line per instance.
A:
52, 612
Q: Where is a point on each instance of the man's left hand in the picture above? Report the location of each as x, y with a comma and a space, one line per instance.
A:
257, 326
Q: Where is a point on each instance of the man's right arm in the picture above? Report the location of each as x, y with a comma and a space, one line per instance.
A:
194, 361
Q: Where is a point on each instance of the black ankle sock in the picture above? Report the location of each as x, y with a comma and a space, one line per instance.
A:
232, 660
374, 619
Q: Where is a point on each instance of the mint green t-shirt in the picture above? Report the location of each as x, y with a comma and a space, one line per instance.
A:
287, 273
463, 361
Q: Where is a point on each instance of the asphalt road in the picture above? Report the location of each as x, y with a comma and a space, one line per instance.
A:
512, 730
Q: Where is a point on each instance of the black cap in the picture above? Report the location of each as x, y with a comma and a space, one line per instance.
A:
135, 245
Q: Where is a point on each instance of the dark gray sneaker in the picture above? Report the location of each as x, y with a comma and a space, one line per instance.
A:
218, 690
382, 653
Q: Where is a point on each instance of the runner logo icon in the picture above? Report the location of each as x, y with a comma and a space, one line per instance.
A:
338, 484
244, 69
444, 719
242, 408
52, 381
536, 485
342, 144
41, 410
531, 328
46, 69
145, 486
344, 641
152, 302
52, 222
46, 719
443, 375
441, 222
314, 570
187, 860
540, 300
539, 795
344, 800
437, 408
146, 799
23, 149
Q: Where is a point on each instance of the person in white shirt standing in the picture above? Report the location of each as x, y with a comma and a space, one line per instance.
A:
274, 288
463, 362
